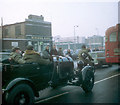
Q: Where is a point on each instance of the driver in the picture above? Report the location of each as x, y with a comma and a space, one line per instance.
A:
83, 55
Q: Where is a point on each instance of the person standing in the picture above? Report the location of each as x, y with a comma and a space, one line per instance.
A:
46, 53
69, 53
53, 51
60, 52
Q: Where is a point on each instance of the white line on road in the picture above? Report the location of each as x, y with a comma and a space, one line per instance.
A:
52, 97
68, 92
106, 78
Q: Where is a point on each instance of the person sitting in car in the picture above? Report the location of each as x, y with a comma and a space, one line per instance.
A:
16, 56
31, 56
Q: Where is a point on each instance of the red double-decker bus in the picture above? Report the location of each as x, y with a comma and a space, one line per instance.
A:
112, 44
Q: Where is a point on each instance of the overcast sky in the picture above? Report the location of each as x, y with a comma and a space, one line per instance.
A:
91, 17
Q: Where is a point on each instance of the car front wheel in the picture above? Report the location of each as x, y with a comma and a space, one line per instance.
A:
88, 82
21, 94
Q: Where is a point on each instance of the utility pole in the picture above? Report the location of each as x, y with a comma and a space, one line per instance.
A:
1, 33
74, 37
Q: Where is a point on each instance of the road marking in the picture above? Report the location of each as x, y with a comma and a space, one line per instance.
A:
52, 97
68, 92
106, 78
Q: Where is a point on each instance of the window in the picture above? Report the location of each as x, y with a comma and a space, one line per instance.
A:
106, 38
119, 36
113, 37
5, 32
17, 30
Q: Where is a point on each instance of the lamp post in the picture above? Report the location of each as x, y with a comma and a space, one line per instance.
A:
97, 31
74, 37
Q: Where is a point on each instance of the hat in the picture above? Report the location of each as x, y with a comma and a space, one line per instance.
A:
15, 48
29, 47
83, 46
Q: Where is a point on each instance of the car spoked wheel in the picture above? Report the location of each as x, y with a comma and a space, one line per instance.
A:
21, 94
88, 82
22, 99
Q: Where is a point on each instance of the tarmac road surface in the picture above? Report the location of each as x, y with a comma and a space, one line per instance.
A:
106, 90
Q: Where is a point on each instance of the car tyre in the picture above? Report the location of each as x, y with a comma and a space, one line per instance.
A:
88, 82
21, 94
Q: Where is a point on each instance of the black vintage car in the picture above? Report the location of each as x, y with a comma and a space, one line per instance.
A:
22, 82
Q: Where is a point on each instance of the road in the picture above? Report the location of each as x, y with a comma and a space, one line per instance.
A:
106, 90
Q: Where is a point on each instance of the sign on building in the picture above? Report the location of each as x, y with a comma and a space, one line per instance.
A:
14, 44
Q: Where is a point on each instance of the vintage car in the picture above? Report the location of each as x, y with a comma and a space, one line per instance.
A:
22, 82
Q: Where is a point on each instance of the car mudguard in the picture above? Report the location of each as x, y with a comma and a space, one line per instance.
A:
20, 81
84, 70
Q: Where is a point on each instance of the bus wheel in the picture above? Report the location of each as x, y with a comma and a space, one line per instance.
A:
21, 94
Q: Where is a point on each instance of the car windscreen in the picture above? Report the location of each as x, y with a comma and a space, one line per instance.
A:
3, 57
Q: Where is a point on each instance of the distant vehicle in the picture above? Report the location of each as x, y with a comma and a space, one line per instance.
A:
99, 58
112, 44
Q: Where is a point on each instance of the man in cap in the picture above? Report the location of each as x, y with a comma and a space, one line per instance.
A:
16, 55
31, 56
83, 55
60, 52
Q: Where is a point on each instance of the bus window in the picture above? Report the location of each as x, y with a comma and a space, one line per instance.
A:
106, 38
119, 36
113, 37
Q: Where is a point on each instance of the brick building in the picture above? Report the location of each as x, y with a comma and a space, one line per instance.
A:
33, 30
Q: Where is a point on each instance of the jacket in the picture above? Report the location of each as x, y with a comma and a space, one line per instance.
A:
31, 56
46, 54
17, 57
83, 57
53, 52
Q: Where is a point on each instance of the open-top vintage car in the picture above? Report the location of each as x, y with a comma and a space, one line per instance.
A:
22, 82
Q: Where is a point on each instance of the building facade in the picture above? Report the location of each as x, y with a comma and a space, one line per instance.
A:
95, 42
34, 31
69, 42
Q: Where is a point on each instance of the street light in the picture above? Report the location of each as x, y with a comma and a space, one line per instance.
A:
97, 31
74, 37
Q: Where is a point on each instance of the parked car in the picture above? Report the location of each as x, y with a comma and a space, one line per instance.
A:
22, 82
99, 58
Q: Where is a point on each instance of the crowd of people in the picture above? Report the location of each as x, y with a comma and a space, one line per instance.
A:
30, 55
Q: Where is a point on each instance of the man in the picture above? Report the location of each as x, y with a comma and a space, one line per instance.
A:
31, 56
68, 53
83, 55
16, 55
60, 52
53, 51
46, 53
